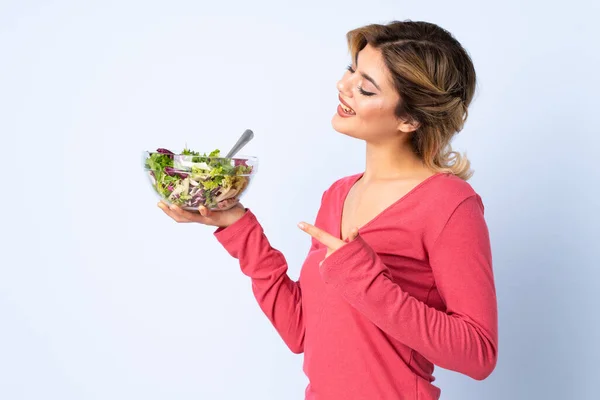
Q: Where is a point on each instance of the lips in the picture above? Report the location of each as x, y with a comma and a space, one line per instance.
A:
345, 105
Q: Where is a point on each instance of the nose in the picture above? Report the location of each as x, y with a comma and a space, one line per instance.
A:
343, 86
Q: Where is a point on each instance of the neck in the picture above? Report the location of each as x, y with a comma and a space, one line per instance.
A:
385, 161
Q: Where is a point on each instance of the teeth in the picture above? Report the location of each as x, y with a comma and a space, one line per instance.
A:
347, 109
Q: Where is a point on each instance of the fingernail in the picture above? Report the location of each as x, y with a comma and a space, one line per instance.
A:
301, 225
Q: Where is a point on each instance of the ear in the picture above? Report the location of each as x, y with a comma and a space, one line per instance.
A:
408, 125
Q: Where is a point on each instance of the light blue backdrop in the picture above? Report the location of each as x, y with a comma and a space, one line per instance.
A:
104, 297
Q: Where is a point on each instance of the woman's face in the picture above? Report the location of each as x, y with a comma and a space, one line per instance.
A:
368, 99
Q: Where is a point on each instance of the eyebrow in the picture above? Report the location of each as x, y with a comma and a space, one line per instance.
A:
366, 76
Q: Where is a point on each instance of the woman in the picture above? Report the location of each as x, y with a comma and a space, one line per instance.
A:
399, 275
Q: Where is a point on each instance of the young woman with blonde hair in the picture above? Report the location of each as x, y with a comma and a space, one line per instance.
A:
399, 275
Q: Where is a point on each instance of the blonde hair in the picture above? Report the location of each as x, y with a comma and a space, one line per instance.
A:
436, 80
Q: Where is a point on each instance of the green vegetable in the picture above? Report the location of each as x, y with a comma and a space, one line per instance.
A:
191, 179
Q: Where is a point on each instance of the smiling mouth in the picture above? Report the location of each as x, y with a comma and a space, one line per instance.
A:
346, 108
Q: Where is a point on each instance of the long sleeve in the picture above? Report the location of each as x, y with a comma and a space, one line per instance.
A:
464, 338
278, 296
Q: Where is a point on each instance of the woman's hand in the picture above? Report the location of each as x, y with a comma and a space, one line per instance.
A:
331, 242
221, 219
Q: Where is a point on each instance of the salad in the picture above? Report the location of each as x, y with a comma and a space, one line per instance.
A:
190, 180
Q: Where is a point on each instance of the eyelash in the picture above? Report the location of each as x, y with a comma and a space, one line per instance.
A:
360, 89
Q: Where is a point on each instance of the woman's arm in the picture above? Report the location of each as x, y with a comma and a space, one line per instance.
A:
278, 296
465, 337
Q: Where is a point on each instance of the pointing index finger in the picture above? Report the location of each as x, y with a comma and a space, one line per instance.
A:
327, 239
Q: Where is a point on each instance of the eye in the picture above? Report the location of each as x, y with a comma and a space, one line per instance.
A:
361, 90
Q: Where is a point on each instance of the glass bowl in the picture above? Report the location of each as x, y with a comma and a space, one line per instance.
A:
192, 180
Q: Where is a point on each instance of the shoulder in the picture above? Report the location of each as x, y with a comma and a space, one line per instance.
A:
450, 189
340, 186
445, 196
452, 184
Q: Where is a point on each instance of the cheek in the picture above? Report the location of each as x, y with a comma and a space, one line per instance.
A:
375, 110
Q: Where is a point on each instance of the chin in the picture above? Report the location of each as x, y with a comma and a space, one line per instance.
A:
340, 125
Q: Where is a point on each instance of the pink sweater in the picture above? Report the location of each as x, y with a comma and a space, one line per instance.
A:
414, 289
